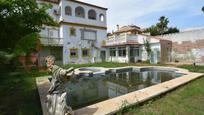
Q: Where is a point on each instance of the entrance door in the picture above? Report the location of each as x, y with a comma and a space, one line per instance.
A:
134, 53
103, 56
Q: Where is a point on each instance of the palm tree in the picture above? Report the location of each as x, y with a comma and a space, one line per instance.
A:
163, 24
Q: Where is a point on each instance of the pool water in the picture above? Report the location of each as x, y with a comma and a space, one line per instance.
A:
85, 91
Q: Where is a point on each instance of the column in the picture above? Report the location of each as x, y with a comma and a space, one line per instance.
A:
128, 54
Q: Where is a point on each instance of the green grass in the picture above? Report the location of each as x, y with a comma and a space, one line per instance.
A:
110, 65
19, 96
187, 100
199, 69
18, 93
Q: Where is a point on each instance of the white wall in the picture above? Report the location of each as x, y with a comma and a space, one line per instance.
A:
74, 19
76, 42
185, 36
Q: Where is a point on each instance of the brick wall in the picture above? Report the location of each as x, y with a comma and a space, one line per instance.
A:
186, 50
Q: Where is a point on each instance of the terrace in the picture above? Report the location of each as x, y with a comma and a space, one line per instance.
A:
47, 41
122, 39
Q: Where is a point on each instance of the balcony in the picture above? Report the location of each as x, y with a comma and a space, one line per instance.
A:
47, 41
123, 39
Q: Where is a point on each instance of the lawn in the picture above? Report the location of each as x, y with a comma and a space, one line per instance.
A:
187, 100
18, 93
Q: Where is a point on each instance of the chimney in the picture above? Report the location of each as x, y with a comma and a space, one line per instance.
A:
118, 27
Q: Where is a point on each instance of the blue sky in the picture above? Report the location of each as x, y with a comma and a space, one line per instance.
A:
182, 14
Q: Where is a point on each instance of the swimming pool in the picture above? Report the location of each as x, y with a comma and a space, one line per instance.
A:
84, 90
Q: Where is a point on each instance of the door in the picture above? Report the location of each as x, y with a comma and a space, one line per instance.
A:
134, 54
103, 56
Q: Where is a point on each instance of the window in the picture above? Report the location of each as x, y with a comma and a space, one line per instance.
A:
122, 51
112, 52
80, 12
72, 31
73, 53
85, 52
87, 34
137, 52
68, 10
51, 33
92, 14
134, 51
102, 17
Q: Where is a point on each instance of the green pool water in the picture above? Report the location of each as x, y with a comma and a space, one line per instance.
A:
85, 91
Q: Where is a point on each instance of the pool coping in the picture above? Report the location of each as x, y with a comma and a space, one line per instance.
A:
113, 105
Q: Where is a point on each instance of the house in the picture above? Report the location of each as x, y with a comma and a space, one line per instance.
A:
127, 45
77, 39
188, 45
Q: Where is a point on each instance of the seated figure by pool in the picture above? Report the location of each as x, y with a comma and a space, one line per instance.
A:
56, 98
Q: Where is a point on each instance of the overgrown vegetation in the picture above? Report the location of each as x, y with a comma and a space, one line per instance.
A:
19, 18
18, 93
19, 21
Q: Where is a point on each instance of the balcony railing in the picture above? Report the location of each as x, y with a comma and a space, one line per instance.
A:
121, 39
47, 41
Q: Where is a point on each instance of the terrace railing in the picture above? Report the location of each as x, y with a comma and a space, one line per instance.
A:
121, 39
47, 41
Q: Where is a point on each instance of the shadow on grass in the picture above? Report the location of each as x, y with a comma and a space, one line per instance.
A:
18, 93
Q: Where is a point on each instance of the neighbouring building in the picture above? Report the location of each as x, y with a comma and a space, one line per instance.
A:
188, 45
127, 45
78, 38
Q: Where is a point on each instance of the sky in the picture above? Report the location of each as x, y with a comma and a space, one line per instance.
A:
183, 14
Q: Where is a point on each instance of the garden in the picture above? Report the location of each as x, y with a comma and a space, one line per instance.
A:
19, 95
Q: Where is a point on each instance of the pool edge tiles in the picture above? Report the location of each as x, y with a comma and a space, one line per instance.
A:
113, 105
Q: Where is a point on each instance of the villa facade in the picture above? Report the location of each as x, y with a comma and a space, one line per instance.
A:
77, 39
126, 45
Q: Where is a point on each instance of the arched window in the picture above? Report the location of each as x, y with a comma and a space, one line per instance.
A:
80, 12
68, 10
102, 17
92, 14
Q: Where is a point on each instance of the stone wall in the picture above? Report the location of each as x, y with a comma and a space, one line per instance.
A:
187, 46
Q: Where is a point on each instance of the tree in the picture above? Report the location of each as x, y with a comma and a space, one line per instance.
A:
27, 44
19, 18
171, 30
161, 27
202, 9
148, 49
